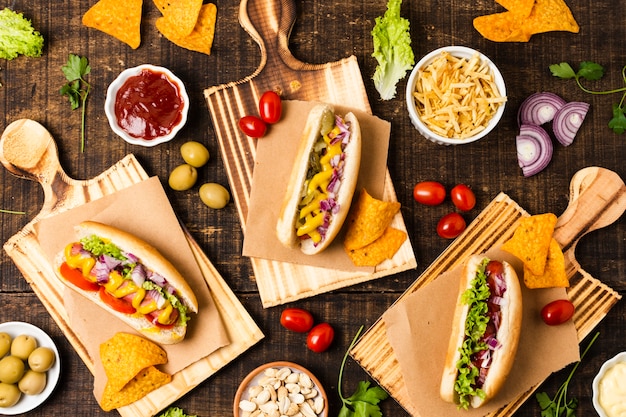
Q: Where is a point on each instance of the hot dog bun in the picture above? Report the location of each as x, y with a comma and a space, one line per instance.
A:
320, 121
151, 260
507, 335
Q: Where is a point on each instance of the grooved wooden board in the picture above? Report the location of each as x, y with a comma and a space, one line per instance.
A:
269, 23
28, 150
597, 199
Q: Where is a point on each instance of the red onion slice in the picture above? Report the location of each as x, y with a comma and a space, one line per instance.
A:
539, 108
534, 149
568, 120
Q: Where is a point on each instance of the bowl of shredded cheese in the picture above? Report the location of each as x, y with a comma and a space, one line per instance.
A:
455, 95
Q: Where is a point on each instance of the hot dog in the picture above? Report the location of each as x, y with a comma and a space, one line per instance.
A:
130, 279
485, 332
322, 181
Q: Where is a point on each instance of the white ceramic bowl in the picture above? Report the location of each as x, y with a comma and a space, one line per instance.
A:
620, 357
109, 104
255, 377
459, 52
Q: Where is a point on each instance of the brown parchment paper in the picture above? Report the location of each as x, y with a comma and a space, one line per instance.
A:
144, 210
418, 329
273, 164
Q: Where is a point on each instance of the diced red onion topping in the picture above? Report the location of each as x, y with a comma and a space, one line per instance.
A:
157, 279
534, 149
539, 108
138, 275
568, 120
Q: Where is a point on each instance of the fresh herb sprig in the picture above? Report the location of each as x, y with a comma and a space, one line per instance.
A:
77, 88
592, 71
364, 401
559, 405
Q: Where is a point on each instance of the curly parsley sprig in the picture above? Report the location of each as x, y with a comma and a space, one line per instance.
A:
559, 405
592, 71
77, 89
364, 401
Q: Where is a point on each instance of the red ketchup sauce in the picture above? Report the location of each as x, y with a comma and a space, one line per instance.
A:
148, 105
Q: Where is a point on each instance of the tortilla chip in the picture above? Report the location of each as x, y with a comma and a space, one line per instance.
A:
118, 18
550, 15
531, 241
380, 250
146, 381
368, 220
201, 38
521, 8
162, 5
179, 16
554, 273
125, 355
501, 27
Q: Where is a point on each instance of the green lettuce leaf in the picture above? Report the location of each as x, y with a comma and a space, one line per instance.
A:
17, 36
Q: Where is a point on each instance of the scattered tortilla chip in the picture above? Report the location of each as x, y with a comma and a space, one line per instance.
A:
554, 273
118, 18
380, 250
179, 17
531, 241
368, 220
525, 18
201, 38
146, 381
125, 355
162, 5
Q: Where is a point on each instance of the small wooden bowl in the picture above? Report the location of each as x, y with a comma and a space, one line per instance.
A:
254, 378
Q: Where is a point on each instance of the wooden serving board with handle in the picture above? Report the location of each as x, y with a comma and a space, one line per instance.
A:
29, 151
597, 199
269, 23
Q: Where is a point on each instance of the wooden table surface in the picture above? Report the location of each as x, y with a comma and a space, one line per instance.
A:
325, 31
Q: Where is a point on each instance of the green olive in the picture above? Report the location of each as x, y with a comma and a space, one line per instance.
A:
41, 359
5, 344
9, 395
183, 177
11, 369
214, 195
32, 383
194, 153
23, 345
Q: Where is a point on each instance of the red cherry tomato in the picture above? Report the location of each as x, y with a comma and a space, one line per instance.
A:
75, 276
116, 303
296, 320
270, 107
557, 312
252, 126
450, 226
463, 197
430, 193
320, 337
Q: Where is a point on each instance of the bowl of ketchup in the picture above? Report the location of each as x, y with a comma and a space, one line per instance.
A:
146, 105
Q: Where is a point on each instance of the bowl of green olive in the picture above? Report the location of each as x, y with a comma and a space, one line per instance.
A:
29, 367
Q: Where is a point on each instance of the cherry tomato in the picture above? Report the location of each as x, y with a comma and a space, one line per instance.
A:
75, 276
252, 126
115, 303
296, 320
450, 226
557, 312
463, 197
430, 193
270, 107
320, 337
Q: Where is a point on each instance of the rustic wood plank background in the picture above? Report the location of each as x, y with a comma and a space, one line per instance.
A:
325, 31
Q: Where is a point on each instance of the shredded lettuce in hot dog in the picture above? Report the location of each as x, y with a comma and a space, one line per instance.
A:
475, 327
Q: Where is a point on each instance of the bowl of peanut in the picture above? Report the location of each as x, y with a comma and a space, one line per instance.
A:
280, 388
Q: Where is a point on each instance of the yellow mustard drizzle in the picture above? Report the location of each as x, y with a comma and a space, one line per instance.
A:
84, 263
311, 213
114, 286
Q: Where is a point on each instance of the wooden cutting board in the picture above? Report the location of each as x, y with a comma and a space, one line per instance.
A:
28, 150
597, 199
269, 23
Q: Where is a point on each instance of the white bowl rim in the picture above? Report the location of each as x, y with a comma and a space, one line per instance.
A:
465, 52
619, 358
109, 103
